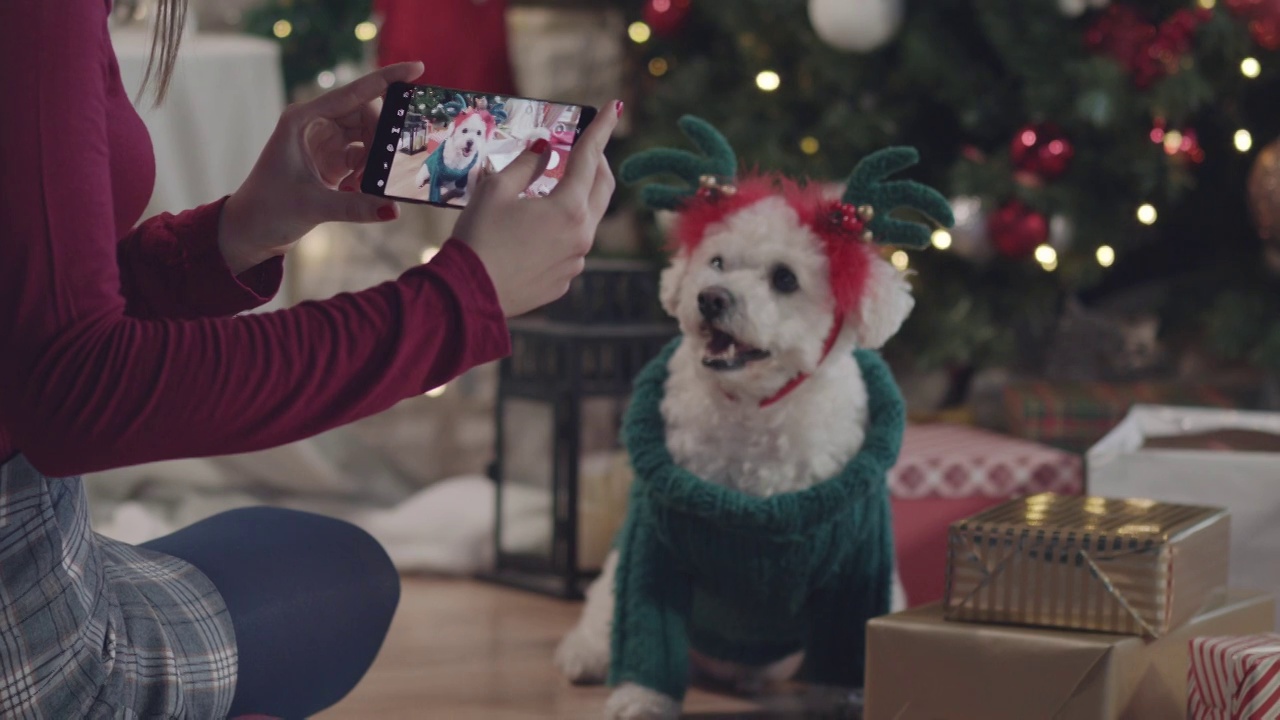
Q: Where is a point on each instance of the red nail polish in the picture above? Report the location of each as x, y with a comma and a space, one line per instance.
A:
618, 106
386, 212
539, 146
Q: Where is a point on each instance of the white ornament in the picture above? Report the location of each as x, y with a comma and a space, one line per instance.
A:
1076, 8
969, 237
855, 25
1061, 233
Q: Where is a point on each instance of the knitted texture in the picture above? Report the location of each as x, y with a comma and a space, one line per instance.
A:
867, 186
718, 160
750, 579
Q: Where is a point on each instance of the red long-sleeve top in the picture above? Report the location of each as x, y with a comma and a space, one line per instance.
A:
118, 344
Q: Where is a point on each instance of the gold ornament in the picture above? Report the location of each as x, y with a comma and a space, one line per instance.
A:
1264, 201
866, 213
867, 236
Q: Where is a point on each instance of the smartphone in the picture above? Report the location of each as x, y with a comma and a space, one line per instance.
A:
433, 143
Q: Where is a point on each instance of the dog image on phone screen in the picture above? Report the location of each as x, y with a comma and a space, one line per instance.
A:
449, 169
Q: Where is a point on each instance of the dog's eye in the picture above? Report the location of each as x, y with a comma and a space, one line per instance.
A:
784, 280
717, 262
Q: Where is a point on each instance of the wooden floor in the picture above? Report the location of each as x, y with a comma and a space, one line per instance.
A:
465, 650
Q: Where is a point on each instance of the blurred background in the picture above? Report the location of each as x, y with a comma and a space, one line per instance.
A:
1114, 168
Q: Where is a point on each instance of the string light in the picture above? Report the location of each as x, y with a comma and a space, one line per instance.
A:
326, 79
366, 31
941, 239
639, 32
1106, 256
657, 67
1207, 4
1047, 257
899, 260
282, 29
1147, 214
1250, 67
1243, 140
428, 253
809, 145
768, 80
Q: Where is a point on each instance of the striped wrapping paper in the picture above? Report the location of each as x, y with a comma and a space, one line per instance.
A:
1234, 678
1136, 567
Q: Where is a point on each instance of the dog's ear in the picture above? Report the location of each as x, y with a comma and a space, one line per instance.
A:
671, 280
885, 304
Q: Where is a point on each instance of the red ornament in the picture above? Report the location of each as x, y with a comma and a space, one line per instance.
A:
666, 17
1263, 17
1016, 230
1180, 145
1149, 52
1042, 150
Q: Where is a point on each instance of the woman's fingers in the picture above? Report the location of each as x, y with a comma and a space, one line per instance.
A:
349, 98
587, 153
601, 190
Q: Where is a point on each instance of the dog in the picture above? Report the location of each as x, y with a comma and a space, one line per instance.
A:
763, 395
452, 167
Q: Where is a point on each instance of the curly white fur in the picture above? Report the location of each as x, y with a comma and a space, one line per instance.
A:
716, 427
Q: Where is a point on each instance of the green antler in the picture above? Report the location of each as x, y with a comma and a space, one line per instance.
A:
867, 186
718, 161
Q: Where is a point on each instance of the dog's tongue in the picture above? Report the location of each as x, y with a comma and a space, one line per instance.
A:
720, 342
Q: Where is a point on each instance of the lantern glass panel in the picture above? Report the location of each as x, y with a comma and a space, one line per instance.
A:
604, 479
528, 443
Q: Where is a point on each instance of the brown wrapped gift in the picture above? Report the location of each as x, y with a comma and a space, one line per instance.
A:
1087, 563
923, 667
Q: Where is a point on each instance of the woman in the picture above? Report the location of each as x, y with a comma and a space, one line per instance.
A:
117, 346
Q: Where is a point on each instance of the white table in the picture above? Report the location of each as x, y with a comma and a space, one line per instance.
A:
226, 96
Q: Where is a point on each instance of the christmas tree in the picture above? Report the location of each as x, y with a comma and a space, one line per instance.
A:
1088, 148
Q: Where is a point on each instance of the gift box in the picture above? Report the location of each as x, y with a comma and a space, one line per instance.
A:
1075, 415
1202, 456
921, 666
1087, 563
947, 472
1234, 677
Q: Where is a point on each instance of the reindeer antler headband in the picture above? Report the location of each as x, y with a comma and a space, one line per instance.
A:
866, 206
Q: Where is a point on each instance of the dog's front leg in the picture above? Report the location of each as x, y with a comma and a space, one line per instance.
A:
649, 663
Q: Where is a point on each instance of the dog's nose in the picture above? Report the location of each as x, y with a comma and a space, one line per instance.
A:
714, 301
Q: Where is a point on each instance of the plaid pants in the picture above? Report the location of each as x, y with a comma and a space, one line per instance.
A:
94, 628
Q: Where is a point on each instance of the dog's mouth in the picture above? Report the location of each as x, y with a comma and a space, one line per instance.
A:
466, 149
725, 352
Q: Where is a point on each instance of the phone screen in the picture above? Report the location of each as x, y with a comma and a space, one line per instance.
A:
433, 143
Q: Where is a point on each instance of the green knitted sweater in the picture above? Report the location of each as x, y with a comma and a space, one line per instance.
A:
750, 579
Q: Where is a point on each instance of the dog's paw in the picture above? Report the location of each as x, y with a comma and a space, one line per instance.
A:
635, 702
582, 658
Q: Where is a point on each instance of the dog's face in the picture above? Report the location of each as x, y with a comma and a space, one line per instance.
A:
755, 297
468, 136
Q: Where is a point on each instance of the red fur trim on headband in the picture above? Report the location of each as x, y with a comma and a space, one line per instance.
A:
849, 258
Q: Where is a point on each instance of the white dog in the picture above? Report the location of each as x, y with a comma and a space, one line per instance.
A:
763, 394
452, 167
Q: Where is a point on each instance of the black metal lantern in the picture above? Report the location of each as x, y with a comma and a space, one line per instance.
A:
413, 136
560, 472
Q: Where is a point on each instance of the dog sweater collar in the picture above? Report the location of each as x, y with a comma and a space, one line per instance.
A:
663, 481
836, 323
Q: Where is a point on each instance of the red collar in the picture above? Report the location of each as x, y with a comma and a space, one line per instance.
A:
836, 323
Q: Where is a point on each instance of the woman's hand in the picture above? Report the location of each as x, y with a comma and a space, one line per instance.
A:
533, 247
317, 147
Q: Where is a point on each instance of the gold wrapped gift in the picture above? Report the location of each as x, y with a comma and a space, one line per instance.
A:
1138, 567
922, 667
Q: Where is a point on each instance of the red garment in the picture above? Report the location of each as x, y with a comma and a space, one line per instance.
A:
116, 347
463, 43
